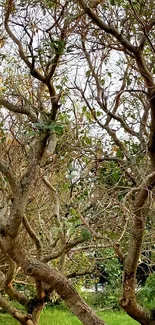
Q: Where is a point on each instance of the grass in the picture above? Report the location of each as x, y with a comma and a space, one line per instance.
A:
7, 320
117, 318
58, 317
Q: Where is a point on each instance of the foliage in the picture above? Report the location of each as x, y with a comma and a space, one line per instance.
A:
146, 294
108, 299
114, 270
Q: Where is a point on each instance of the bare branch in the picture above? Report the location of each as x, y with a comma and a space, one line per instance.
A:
32, 235
78, 274
66, 248
34, 72
18, 109
108, 29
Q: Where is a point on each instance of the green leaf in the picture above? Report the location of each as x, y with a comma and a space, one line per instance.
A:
38, 125
119, 153
72, 230
84, 109
73, 212
88, 140
98, 113
116, 176
86, 234
58, 129
88, 73
50, 4
58, 46
102, 81
56, 230
113, 235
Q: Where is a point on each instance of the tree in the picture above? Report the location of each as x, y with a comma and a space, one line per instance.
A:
127, 28
33, 42
77, 111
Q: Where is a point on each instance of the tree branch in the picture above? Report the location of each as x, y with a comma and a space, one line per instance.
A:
5, 170
14, 312
18, 109
34, 72
66, 248
108, 29
56, 281
33, 235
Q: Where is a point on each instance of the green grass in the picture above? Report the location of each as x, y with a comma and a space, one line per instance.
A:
58, 317
116, 318
7, 320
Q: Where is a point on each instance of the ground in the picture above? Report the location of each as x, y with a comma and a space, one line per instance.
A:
64, 317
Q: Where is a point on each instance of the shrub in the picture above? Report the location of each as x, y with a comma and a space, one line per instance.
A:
146, 294
108, 299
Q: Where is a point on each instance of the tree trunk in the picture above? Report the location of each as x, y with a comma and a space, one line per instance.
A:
128, 301
55, 280
37, 313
